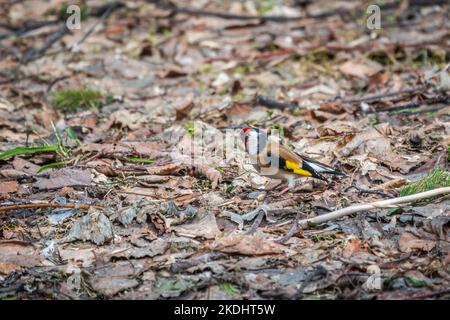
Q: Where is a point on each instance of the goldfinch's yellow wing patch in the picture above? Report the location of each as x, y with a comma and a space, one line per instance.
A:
296, 169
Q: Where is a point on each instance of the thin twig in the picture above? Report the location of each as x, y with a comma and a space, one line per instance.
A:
390, 203
28, 26
319, 271
46, 205
367, 191
414, 104
382, 95
424, 110
34, 54
293, 230
174, 10
106, 14
257, 222
272, 103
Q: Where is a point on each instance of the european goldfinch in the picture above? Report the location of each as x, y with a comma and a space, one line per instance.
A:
271, 158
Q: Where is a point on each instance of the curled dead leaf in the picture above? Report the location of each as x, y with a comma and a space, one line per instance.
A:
250, 245
16, 255
353, 246
360, 68
7, 187
182, 111
165, 169
212, 174
409, 242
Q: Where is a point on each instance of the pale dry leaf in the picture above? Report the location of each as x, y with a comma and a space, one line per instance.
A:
250, 245
352, 246
165, 169
203, 227
18, 254
212, 174
65, 177
409, 242
359, 68
7, 187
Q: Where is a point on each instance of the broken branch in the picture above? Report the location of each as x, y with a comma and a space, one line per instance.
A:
415, 104
47, 205
272, 103
390, 203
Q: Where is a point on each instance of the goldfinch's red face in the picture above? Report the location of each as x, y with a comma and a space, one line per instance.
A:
250, 137
245, 134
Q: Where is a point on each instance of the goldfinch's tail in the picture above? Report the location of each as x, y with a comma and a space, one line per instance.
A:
317, 169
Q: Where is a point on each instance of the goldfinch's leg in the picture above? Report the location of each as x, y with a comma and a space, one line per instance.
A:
291, 182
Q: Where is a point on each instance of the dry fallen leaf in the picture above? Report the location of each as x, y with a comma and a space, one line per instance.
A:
94, 226
353, 246
409, 242
165, 169
209, 172
18, 254
247, 245
360, 68
182, 111
204, 227
7, 187
65, 177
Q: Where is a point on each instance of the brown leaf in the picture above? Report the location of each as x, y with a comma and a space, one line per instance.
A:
165, 169
16, 255
25, 166
182, 111
331, 107
64, 178
46, 118
353, 246
204, 227
94, 227
144, 149
171, 72
13, 174
372, 142
108, 148
212, 174
359, 68
115, 277
77, 256
7, 187
247, 245
408, 242
392, 184
151, 249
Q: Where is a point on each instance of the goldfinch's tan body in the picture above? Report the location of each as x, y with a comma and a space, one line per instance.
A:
273, 159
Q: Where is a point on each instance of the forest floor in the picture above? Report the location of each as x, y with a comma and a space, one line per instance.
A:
116, 176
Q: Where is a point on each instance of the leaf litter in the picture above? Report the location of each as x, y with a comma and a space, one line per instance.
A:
114, 169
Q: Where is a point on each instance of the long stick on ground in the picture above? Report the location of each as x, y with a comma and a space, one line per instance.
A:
390, 203
46, 205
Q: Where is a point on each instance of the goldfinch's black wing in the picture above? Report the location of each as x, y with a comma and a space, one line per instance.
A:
292, 162
303, 165
318, 167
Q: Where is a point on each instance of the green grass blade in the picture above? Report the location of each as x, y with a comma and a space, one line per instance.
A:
27, 150
436, 179
141, 160
51, 165
72, 136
